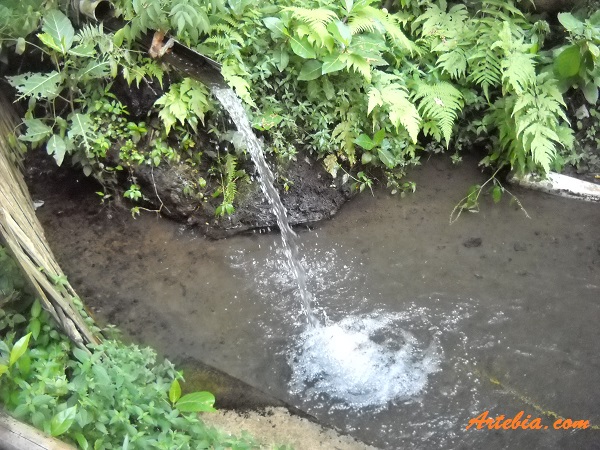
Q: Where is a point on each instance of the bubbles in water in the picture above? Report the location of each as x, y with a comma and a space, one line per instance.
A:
361, 362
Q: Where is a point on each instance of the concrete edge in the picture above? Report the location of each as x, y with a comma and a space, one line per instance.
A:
560, 185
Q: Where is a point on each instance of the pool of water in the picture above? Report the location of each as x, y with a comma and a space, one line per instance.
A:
426, 324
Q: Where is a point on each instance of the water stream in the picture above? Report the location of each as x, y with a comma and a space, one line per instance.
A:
232, 103
364, 360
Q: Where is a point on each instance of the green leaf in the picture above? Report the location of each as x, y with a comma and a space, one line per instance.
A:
567, 63
37, 131
310, 70
387, 158
36, 309
275, 24
497, 193
571, 23
196, 402
374, 99
48, 41
174, 391
340, 32
62, 421
3, 369
56, 146
94, 69
84, 50
37, 85
378, 137
19, 349
333, 63
590, 91
57, 25
366, 158
35, 326
302, 48
364, 141
82, 127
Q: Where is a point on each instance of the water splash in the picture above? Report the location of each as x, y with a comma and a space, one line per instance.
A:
232, 103
362, 362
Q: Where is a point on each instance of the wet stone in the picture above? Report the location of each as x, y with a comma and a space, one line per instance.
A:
472, 242
519, 247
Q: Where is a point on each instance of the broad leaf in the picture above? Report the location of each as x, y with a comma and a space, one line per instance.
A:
497, 194
37, 131
56, 146
379, 136
57, 25
62, 421
19, 349
340, 32
3, 369
37, 85
196, 402
310, 70
571, 23
590, 91
275, 24
386, 157
49, 42
333, 63
84, 50
175, 391
364, 141
83, 128
302, 48
567, 63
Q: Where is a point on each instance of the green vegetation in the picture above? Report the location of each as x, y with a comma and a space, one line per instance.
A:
117, 396
362, 87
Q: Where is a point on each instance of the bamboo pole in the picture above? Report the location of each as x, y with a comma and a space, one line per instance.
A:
15, 435
24, 237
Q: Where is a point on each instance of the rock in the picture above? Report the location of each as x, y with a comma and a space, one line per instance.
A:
311, 197
473, 242
519, 247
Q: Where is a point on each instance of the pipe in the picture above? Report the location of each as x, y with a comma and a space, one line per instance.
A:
180, 56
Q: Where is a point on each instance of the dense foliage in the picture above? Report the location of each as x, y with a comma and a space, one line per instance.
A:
363, 87
117, 396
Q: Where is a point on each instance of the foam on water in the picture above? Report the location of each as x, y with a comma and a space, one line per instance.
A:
361, 362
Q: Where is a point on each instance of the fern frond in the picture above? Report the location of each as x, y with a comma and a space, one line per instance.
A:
91, 32
394, 98
390, 26
402, 111
359, 64
362, 24
344, 135
441, 102
312, 16
453, 62
486, 69
518, 71
541, 141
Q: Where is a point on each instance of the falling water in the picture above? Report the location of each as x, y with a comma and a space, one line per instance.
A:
347, 361
232, 103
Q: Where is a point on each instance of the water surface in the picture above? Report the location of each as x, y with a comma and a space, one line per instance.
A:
496, 312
